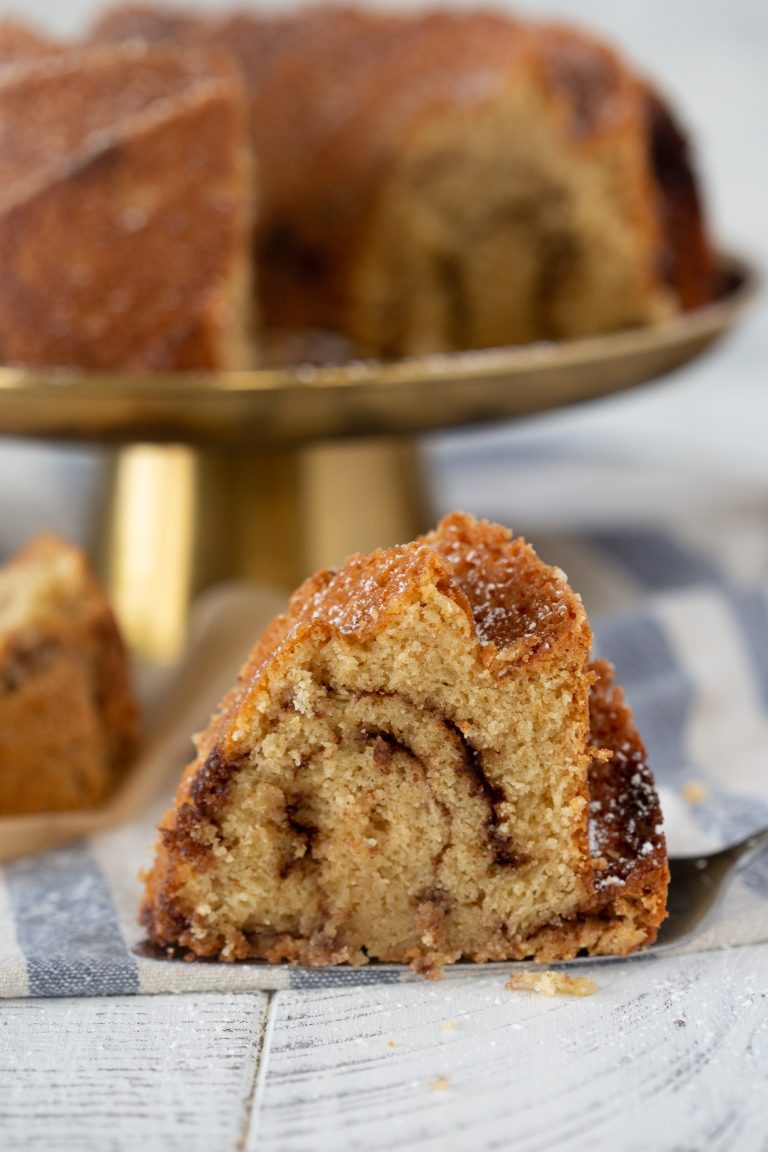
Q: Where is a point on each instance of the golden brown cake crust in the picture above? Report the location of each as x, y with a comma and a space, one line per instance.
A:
527, 623
518, 604
628, 840
143, 155
68, 716
22, 42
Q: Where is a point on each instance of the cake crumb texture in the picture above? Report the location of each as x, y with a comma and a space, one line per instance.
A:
407, 770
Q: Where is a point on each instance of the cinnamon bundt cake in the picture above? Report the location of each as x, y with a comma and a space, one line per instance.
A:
451, 180
125, 208
411, 768
68, 719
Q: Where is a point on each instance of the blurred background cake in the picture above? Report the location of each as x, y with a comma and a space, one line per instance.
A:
453, 180
423, 183
125, 207
68, 718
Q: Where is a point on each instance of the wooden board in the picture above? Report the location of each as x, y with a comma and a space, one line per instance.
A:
151, 1073
669, 1054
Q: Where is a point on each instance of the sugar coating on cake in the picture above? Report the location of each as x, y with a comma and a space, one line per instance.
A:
22, 42
142, 155
68, 717
404, 773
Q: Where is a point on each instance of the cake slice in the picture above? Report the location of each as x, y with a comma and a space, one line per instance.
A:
68, 718
125, 210
405, 770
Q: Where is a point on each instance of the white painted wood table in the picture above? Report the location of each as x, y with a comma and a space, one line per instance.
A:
668, 1054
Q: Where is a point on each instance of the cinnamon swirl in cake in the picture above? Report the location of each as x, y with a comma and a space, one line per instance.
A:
418, 764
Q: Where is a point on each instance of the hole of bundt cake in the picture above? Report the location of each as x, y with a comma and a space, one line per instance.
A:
449, 273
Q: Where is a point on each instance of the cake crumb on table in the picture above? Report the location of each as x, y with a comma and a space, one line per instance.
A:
439, 1084
551, 984
695, 792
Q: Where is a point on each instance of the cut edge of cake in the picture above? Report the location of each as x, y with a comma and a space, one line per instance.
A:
408, 771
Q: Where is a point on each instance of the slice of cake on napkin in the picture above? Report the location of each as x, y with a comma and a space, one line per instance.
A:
68, 719
407, 771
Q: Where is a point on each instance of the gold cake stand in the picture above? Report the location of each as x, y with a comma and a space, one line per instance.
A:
274, 472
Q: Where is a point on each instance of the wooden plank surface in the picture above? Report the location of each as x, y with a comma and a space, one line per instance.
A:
667, 1055
150, 1073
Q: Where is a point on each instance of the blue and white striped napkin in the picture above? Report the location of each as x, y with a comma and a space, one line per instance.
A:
679, 605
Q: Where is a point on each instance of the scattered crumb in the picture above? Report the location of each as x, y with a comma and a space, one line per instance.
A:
681, 1021
439, 1084
448, 1025
390, 1044
552, 984
695, 792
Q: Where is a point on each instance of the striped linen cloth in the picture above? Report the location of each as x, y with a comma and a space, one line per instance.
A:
679, 604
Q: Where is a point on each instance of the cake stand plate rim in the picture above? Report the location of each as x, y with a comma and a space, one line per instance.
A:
299, 404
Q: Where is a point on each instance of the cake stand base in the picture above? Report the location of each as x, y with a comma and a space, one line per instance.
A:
177, 519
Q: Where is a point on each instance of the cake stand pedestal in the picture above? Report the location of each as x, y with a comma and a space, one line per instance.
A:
179, 519
274, 472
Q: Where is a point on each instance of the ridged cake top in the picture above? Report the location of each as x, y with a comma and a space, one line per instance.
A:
61, 113
142, 154
513, 595
520, 607
625, 816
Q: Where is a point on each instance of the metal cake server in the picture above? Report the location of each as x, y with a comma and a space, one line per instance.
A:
697, 886
696, 889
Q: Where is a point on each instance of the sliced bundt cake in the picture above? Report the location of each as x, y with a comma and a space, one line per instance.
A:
403, 773
442, 180
68, 718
